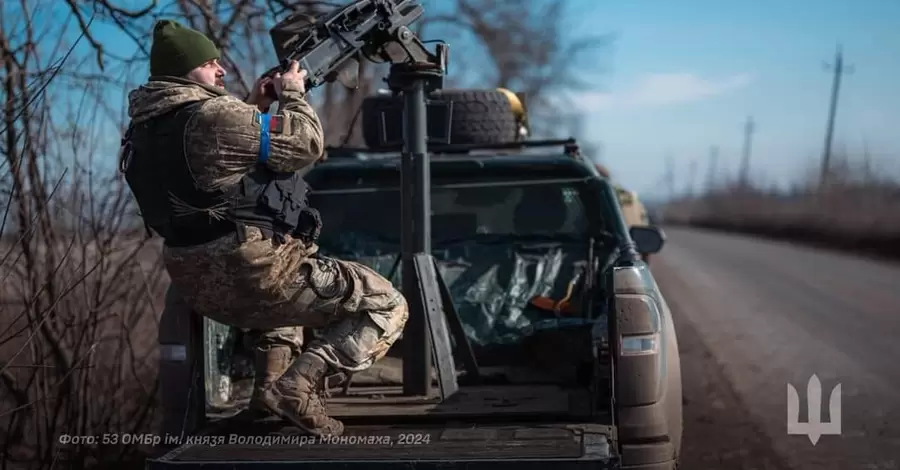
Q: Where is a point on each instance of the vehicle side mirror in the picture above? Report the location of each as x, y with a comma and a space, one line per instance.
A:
649, 240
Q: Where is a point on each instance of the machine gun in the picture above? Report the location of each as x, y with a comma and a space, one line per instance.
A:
329, 46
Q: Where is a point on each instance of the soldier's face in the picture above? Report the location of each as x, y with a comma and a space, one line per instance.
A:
210, 73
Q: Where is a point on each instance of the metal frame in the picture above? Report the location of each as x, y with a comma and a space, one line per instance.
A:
425, 338
570, 147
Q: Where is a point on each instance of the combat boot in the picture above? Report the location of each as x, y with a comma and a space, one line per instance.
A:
297, 397
270, 363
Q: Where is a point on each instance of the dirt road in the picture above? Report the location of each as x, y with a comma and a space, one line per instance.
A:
753, 316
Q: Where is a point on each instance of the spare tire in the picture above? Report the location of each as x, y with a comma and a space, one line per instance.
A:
476, 117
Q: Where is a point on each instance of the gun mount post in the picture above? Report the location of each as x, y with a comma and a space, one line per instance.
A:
414, 80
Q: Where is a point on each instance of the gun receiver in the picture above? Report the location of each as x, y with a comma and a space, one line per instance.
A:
373, 29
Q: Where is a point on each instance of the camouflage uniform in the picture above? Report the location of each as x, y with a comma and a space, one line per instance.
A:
257, 284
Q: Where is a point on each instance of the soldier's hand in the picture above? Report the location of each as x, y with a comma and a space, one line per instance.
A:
293, 79
258, 94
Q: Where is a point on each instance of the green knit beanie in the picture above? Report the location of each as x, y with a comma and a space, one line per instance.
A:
177, 49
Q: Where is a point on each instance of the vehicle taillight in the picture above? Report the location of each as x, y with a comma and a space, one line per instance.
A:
640, 364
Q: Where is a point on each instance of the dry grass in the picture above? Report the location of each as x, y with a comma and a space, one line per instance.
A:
78, 342
855, 211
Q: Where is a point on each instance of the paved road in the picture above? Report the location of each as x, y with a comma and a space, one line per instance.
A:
753, 316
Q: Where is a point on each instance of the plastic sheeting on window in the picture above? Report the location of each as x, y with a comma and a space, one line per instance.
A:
492, 285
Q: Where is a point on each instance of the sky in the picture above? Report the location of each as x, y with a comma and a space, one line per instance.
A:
685, 75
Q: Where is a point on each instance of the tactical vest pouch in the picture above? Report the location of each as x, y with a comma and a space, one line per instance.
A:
272, 202
284, 197
310, 225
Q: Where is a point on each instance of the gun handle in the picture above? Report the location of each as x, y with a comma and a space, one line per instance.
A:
269, 89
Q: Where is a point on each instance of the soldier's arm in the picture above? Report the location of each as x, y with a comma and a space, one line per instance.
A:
295, 129
226, 136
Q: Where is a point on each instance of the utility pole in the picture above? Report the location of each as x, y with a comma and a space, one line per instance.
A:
670, 176
749, 130
867, 161
712, 169
839, 69
692, 177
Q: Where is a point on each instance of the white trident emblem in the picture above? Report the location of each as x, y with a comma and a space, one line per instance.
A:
814, 428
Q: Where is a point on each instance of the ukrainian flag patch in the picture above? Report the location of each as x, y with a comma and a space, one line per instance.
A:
274, 123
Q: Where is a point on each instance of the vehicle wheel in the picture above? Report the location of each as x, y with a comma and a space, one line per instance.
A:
477, 117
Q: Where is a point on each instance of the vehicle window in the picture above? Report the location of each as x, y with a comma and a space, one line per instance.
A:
458, 212
497, 247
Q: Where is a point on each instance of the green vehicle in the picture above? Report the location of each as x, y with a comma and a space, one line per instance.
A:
550, 342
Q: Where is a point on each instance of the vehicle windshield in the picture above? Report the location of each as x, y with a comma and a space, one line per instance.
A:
497, 247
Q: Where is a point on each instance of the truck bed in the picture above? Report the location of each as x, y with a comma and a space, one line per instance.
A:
479, 427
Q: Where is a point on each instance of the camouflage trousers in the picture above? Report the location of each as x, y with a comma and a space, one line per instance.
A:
361, 313
357, 314
291, 336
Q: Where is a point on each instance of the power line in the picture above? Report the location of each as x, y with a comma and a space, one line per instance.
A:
839, 70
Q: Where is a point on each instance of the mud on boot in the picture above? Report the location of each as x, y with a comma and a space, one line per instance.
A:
297, 397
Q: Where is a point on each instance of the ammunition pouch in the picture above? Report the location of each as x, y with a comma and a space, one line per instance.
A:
284, 200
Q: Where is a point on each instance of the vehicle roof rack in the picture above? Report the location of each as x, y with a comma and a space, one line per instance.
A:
570, 148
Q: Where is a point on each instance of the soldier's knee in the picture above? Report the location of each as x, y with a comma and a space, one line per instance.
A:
391, 314
404, 308
399, 307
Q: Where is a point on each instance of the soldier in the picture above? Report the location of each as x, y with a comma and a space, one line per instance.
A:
218, 179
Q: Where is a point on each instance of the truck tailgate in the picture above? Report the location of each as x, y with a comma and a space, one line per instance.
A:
423, 447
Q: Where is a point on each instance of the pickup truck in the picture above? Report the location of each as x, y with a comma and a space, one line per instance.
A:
562, 350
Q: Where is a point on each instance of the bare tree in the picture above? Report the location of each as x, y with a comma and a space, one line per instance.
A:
81, 284
526, 49
78, 291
